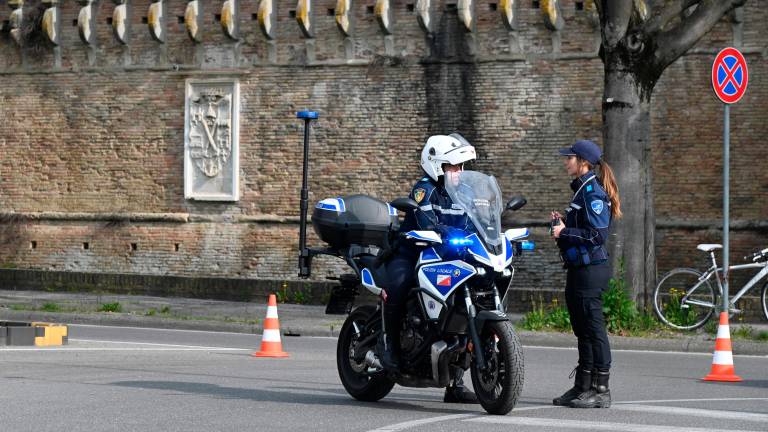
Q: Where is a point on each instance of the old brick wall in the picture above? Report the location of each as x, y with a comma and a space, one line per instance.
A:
93, 136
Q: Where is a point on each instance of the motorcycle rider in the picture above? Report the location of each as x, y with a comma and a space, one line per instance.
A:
442, 159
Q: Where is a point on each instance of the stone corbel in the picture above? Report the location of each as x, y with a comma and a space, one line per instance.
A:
51, 21
553, 14
344, 17
509, 14
425, 16
156, 20
15, 21
640, 11
305, 16
193, 20
121, 22
267, 16
592, 15
467, 14
86, 21
230, 19
384, 15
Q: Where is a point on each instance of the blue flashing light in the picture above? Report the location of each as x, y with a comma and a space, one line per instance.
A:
461, 242
527, 245
312, 115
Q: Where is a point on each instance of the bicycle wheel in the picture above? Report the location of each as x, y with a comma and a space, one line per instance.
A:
677, 305
764, 300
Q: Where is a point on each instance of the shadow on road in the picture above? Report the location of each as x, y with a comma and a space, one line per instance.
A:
292, 397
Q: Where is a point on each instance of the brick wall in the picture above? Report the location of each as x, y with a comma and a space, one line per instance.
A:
100, 138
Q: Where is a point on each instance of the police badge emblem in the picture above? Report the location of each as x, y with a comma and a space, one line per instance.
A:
419, 194
597, 206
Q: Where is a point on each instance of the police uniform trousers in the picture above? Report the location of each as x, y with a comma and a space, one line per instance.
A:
583, 294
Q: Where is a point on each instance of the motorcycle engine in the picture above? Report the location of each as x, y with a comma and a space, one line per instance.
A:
413, 337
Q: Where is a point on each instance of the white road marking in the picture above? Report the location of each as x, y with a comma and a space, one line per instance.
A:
421, 422
695, 412
2, 350
708, 354
154, 347
624, 406
162, 329
690, 400
154, 344
589, 425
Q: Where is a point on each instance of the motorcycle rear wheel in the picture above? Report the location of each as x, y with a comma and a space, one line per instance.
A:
499, 386
358, 383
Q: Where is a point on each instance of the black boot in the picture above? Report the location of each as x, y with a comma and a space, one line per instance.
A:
391, 355
582, 383
457, 393
599, 396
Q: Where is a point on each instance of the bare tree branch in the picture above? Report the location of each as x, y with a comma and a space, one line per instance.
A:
664, 15
676, 41
614, 17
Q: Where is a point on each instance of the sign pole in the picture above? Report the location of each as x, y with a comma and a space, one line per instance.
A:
726, 199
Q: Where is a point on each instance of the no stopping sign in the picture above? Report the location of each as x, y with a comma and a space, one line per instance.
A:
730, 75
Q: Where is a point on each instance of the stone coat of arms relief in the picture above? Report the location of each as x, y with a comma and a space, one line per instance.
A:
211, 142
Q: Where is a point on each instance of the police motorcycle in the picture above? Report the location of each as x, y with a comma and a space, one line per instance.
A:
453, 319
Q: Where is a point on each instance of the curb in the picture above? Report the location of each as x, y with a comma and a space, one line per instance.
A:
693, 344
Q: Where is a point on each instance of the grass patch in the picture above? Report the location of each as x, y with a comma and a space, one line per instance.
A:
20, 307
150, 312
111, 307
50, 307
165, 310
621, 314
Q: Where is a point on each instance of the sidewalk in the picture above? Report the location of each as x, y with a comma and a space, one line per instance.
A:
295, 320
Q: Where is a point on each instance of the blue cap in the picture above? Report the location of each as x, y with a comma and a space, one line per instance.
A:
306, 115
585, 149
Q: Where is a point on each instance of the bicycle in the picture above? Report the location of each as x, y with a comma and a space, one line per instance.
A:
684, 298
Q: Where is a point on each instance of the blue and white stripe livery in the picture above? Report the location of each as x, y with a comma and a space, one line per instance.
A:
429, 255
333, 204
368, 282
429, 236
441, 279
392, 210
498, 262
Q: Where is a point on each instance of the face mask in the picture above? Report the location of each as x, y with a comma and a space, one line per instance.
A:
453, 177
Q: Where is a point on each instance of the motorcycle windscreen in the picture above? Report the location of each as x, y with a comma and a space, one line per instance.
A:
479, 195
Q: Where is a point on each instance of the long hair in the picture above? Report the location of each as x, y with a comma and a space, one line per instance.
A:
608, 180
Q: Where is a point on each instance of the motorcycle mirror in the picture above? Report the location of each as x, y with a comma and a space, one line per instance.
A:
404, 204
516, 203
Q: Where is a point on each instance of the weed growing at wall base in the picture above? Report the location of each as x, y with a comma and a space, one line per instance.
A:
621, 314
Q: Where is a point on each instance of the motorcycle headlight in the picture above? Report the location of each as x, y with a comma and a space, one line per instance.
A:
480, 271
506, 273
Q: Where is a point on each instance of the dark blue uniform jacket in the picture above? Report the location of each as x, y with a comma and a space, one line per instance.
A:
587, 220
439, 213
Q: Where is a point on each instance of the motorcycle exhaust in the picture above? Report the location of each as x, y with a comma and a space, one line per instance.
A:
371, 361
437, 349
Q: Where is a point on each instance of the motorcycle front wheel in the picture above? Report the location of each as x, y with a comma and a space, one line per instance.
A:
499, 386
354, 375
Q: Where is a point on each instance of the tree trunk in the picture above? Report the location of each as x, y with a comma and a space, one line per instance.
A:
626, 135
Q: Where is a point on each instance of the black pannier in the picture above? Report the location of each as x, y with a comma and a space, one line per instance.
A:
354, 219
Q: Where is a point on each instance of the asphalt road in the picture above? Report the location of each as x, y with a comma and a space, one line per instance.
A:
119, 379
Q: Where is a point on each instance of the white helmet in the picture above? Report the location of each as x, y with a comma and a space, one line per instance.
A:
451, 149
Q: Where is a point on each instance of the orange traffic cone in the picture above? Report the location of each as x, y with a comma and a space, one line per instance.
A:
271, 346
722, 363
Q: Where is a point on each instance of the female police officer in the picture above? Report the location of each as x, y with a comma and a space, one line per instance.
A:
582, 238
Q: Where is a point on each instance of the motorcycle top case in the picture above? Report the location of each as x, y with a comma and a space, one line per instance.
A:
354, 219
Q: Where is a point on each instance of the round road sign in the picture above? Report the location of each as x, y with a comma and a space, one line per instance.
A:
730, 75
